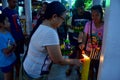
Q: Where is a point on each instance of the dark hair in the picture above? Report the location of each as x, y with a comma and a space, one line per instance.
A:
2, 18
45, 3
99, 9
79, 3
54, 7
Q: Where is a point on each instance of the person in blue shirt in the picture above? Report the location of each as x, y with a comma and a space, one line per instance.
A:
7, 46
15, 29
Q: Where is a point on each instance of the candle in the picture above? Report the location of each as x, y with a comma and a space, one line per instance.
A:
85, 67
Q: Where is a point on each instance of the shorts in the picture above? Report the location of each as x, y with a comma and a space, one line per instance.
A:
7, 69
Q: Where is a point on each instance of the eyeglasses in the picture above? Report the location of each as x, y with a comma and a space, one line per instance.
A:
62, 18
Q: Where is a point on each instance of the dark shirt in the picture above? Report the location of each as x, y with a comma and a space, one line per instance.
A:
15, 25
81, 19
78, 24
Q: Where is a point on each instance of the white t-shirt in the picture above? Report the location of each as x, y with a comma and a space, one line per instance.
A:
37, 52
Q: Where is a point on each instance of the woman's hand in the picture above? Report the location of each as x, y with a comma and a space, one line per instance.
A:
78, 62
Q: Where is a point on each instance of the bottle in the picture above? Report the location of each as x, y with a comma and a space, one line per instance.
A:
67, 43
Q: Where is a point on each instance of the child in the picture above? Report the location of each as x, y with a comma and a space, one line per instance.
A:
7, 46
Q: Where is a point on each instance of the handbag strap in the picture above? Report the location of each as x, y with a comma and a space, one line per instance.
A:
91, 31
93, 52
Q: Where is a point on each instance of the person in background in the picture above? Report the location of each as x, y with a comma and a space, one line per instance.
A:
7, 46
93, 35
16, 30
40, 15
43, 9
79, 19
44, 48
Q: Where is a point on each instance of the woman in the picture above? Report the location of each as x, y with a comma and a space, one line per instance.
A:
44, 45
93, 36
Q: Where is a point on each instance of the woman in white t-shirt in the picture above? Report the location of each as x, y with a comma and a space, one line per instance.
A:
44, 47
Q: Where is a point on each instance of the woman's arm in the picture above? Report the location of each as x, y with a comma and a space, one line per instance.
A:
54, 52
84, 39
85, 35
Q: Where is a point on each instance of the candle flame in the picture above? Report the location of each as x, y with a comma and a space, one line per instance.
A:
85, 56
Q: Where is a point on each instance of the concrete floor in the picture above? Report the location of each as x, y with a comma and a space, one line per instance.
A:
58, 73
